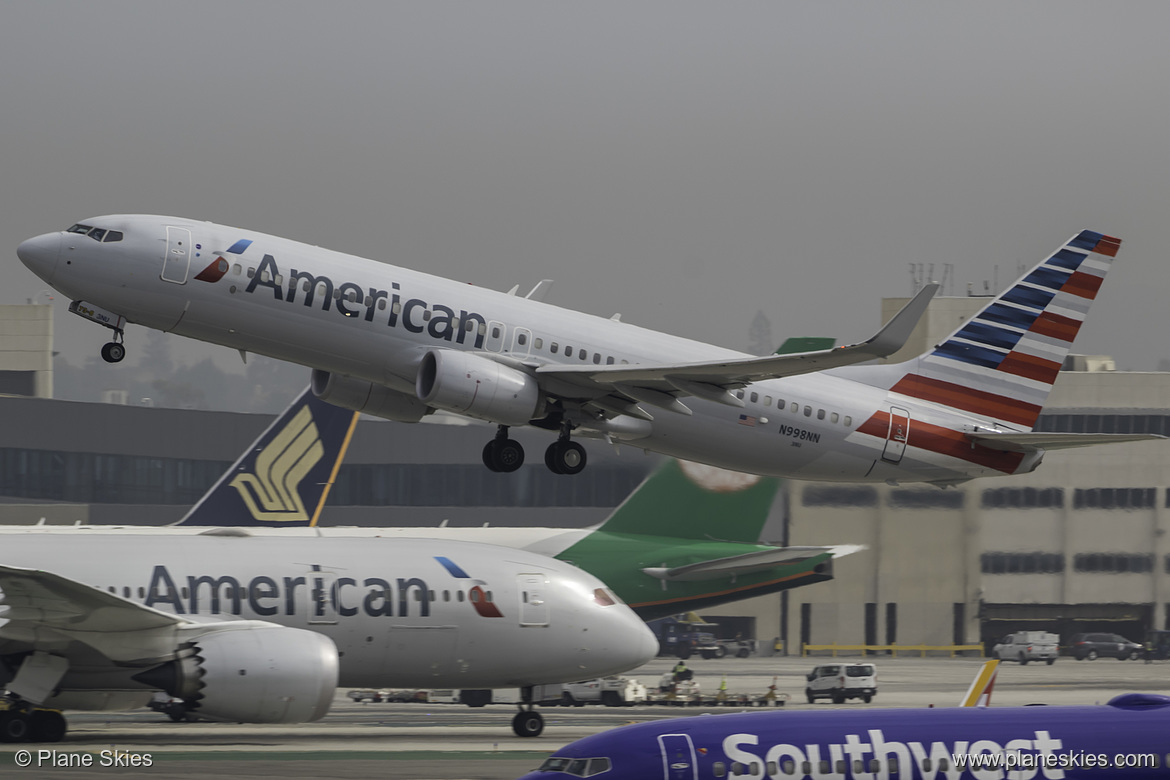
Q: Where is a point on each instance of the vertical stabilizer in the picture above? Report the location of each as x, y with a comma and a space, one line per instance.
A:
283, 478
691, 501
1002, 363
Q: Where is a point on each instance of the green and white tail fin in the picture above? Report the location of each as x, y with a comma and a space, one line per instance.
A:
691, 501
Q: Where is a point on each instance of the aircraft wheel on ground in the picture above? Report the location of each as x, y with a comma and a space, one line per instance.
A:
565, 456
528, 724
113, 352
47, 726
15, 726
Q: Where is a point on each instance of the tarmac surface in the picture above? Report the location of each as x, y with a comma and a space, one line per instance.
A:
418, 741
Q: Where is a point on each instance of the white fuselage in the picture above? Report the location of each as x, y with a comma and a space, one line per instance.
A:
382, 319
402, 612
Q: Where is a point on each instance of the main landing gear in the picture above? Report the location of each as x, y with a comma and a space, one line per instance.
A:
528, 722
563, 456
21, 722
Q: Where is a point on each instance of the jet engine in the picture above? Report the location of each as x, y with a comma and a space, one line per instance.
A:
258, 674
470, 384
362, 396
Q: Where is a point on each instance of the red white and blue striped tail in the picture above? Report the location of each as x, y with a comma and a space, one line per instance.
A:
1001, 364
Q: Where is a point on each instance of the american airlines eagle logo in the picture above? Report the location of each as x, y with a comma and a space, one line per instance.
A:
271, 492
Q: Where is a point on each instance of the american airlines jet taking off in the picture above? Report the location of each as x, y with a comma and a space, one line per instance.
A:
399, 344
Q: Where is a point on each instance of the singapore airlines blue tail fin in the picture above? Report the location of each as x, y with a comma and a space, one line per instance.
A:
284, 477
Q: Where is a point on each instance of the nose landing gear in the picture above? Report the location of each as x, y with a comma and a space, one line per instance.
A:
114, 351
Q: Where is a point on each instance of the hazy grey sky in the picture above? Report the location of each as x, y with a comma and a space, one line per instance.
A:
685, 164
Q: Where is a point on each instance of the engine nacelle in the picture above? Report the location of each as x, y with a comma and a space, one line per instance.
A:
362, 396
467, 383
254, 674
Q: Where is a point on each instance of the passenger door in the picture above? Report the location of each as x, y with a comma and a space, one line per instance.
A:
897, 435
178, 257
678, 757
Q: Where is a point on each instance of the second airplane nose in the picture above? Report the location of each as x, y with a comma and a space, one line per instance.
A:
40, 254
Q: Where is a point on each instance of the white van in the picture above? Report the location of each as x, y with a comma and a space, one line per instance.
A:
842, 681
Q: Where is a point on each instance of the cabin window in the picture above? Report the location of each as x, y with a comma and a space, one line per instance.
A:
251, 272
582, 355
834, 417
767, 400
553, 347
893, 765
446, 595
755, 397
427, 315
795, 407
848, 421
113, 590
597, 358
568, 350
459, 596
779, 403
482, 328
770, 768
609, 361
521, 338
739, 394
125, 592
538, 343
382, 306
808, 411
141, 592
495, 331
719, 769
820, 414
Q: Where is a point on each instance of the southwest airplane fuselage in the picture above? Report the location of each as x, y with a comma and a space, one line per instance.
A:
399, 343
1124, 739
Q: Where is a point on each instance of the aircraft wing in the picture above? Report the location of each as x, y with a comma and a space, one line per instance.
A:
35, 599
1031, 442
747, 563
709, 378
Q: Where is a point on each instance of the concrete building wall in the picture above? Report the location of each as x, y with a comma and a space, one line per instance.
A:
26, 350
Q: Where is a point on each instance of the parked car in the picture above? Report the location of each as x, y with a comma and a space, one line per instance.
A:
839, 682
1091, 646
1025, 646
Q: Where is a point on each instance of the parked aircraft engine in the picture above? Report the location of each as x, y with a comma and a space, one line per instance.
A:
362, 396
469, 384
259, 674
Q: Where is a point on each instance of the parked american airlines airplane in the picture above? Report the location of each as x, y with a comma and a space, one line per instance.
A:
399, 344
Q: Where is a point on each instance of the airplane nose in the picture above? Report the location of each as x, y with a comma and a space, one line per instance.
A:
40, 254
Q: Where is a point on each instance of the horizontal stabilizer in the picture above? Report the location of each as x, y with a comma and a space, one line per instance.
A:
748, 563
1033, 442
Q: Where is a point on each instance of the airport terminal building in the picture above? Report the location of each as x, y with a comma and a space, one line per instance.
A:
1080, 544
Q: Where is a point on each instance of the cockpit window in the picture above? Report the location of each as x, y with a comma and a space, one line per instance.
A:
576, 767
96, 233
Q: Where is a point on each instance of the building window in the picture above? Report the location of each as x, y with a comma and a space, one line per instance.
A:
1021, 563
839, 495
1114, 498
1113, 563
1022, 498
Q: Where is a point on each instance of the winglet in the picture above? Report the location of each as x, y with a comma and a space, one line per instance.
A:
897, 331
979, 694
284, 477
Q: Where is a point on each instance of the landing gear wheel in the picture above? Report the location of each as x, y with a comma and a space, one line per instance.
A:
15, 726
113, 352
565, 456
47, 726
528, 723
502, 454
